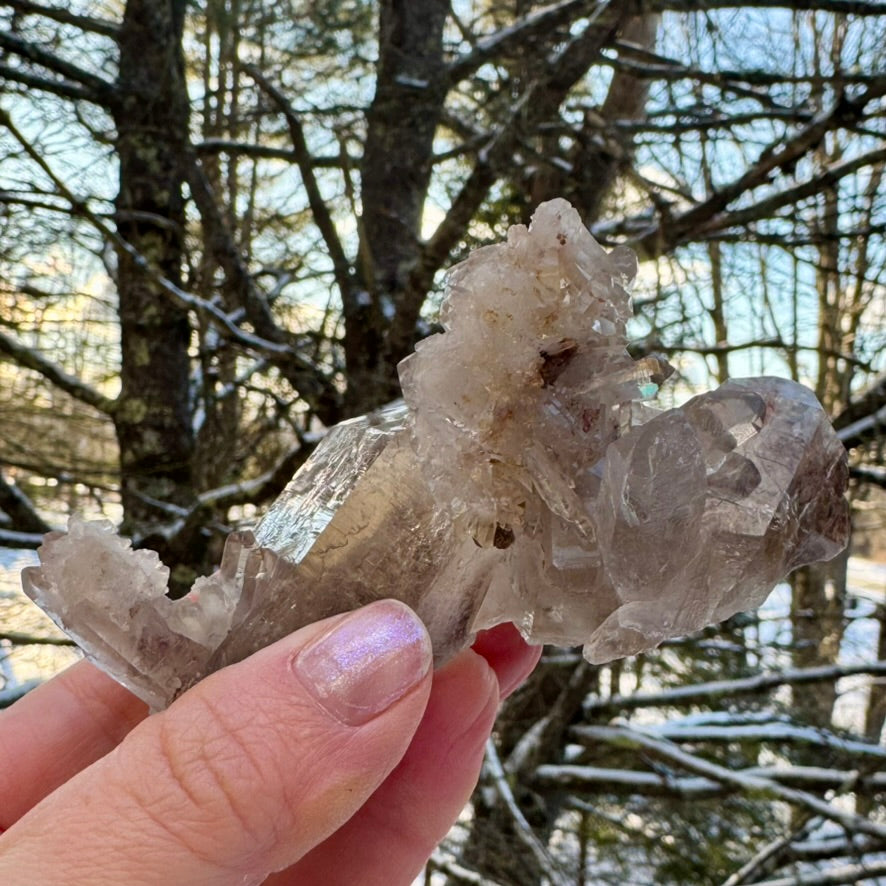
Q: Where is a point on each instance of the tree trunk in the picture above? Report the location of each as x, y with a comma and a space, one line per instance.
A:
597, 159
381, 315
818, 595
153, 412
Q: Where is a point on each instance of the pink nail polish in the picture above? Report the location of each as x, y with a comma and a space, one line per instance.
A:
365, 663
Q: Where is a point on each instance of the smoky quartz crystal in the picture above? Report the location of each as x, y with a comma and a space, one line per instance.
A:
524, 478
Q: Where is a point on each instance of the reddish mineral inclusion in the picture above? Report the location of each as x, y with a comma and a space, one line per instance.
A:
524, 480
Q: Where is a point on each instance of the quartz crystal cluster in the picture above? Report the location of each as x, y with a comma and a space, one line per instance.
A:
525, 478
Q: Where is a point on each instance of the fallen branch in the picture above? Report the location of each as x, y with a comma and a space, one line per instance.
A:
849, 874
603, 779
524, 830
635, 739
704, 692
458, 873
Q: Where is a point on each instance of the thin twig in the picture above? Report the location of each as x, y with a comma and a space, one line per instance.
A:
525, 833
18, 639
635, 738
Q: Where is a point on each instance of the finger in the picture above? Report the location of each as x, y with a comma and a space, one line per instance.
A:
58, 729
247, 771
77, 717
508, 654
389, 840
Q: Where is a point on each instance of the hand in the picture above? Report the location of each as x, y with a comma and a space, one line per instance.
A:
334, 756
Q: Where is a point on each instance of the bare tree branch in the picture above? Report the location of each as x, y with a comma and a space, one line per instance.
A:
866, 404
779, 156
548, 731
535, 27
28, 541
20, 510
793, 196
63, 16
19, 639
322, 217
313, 386
654, 344
864, 430
225, 323
607, 779
708, 692
859, 8
647, 64
843, 874
70, 384
628, 737
539, 23
543, 95
250, 149
457, 873
523, 829
62, 88
766, 730
101, 91
874, 475
767, 857
262, 487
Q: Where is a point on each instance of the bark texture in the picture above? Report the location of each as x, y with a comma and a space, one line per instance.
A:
153, 412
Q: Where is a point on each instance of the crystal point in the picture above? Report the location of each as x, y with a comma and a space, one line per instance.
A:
523, 479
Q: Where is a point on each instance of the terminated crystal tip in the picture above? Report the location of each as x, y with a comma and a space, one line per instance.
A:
524, 479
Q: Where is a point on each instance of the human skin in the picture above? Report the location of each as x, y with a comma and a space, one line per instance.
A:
334, 756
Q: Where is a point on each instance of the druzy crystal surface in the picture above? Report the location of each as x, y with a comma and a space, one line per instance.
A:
524, 478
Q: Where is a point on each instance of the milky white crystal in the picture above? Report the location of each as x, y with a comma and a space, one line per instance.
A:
524, 479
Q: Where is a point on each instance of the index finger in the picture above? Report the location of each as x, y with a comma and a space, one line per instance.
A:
56, 730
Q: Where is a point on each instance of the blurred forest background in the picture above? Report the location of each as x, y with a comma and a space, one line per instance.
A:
223, 223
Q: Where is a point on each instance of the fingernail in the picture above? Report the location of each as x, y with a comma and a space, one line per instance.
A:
360, 667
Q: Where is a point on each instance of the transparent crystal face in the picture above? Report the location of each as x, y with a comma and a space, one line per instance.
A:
523, 479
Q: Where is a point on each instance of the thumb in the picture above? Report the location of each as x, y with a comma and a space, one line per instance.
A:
247, 771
